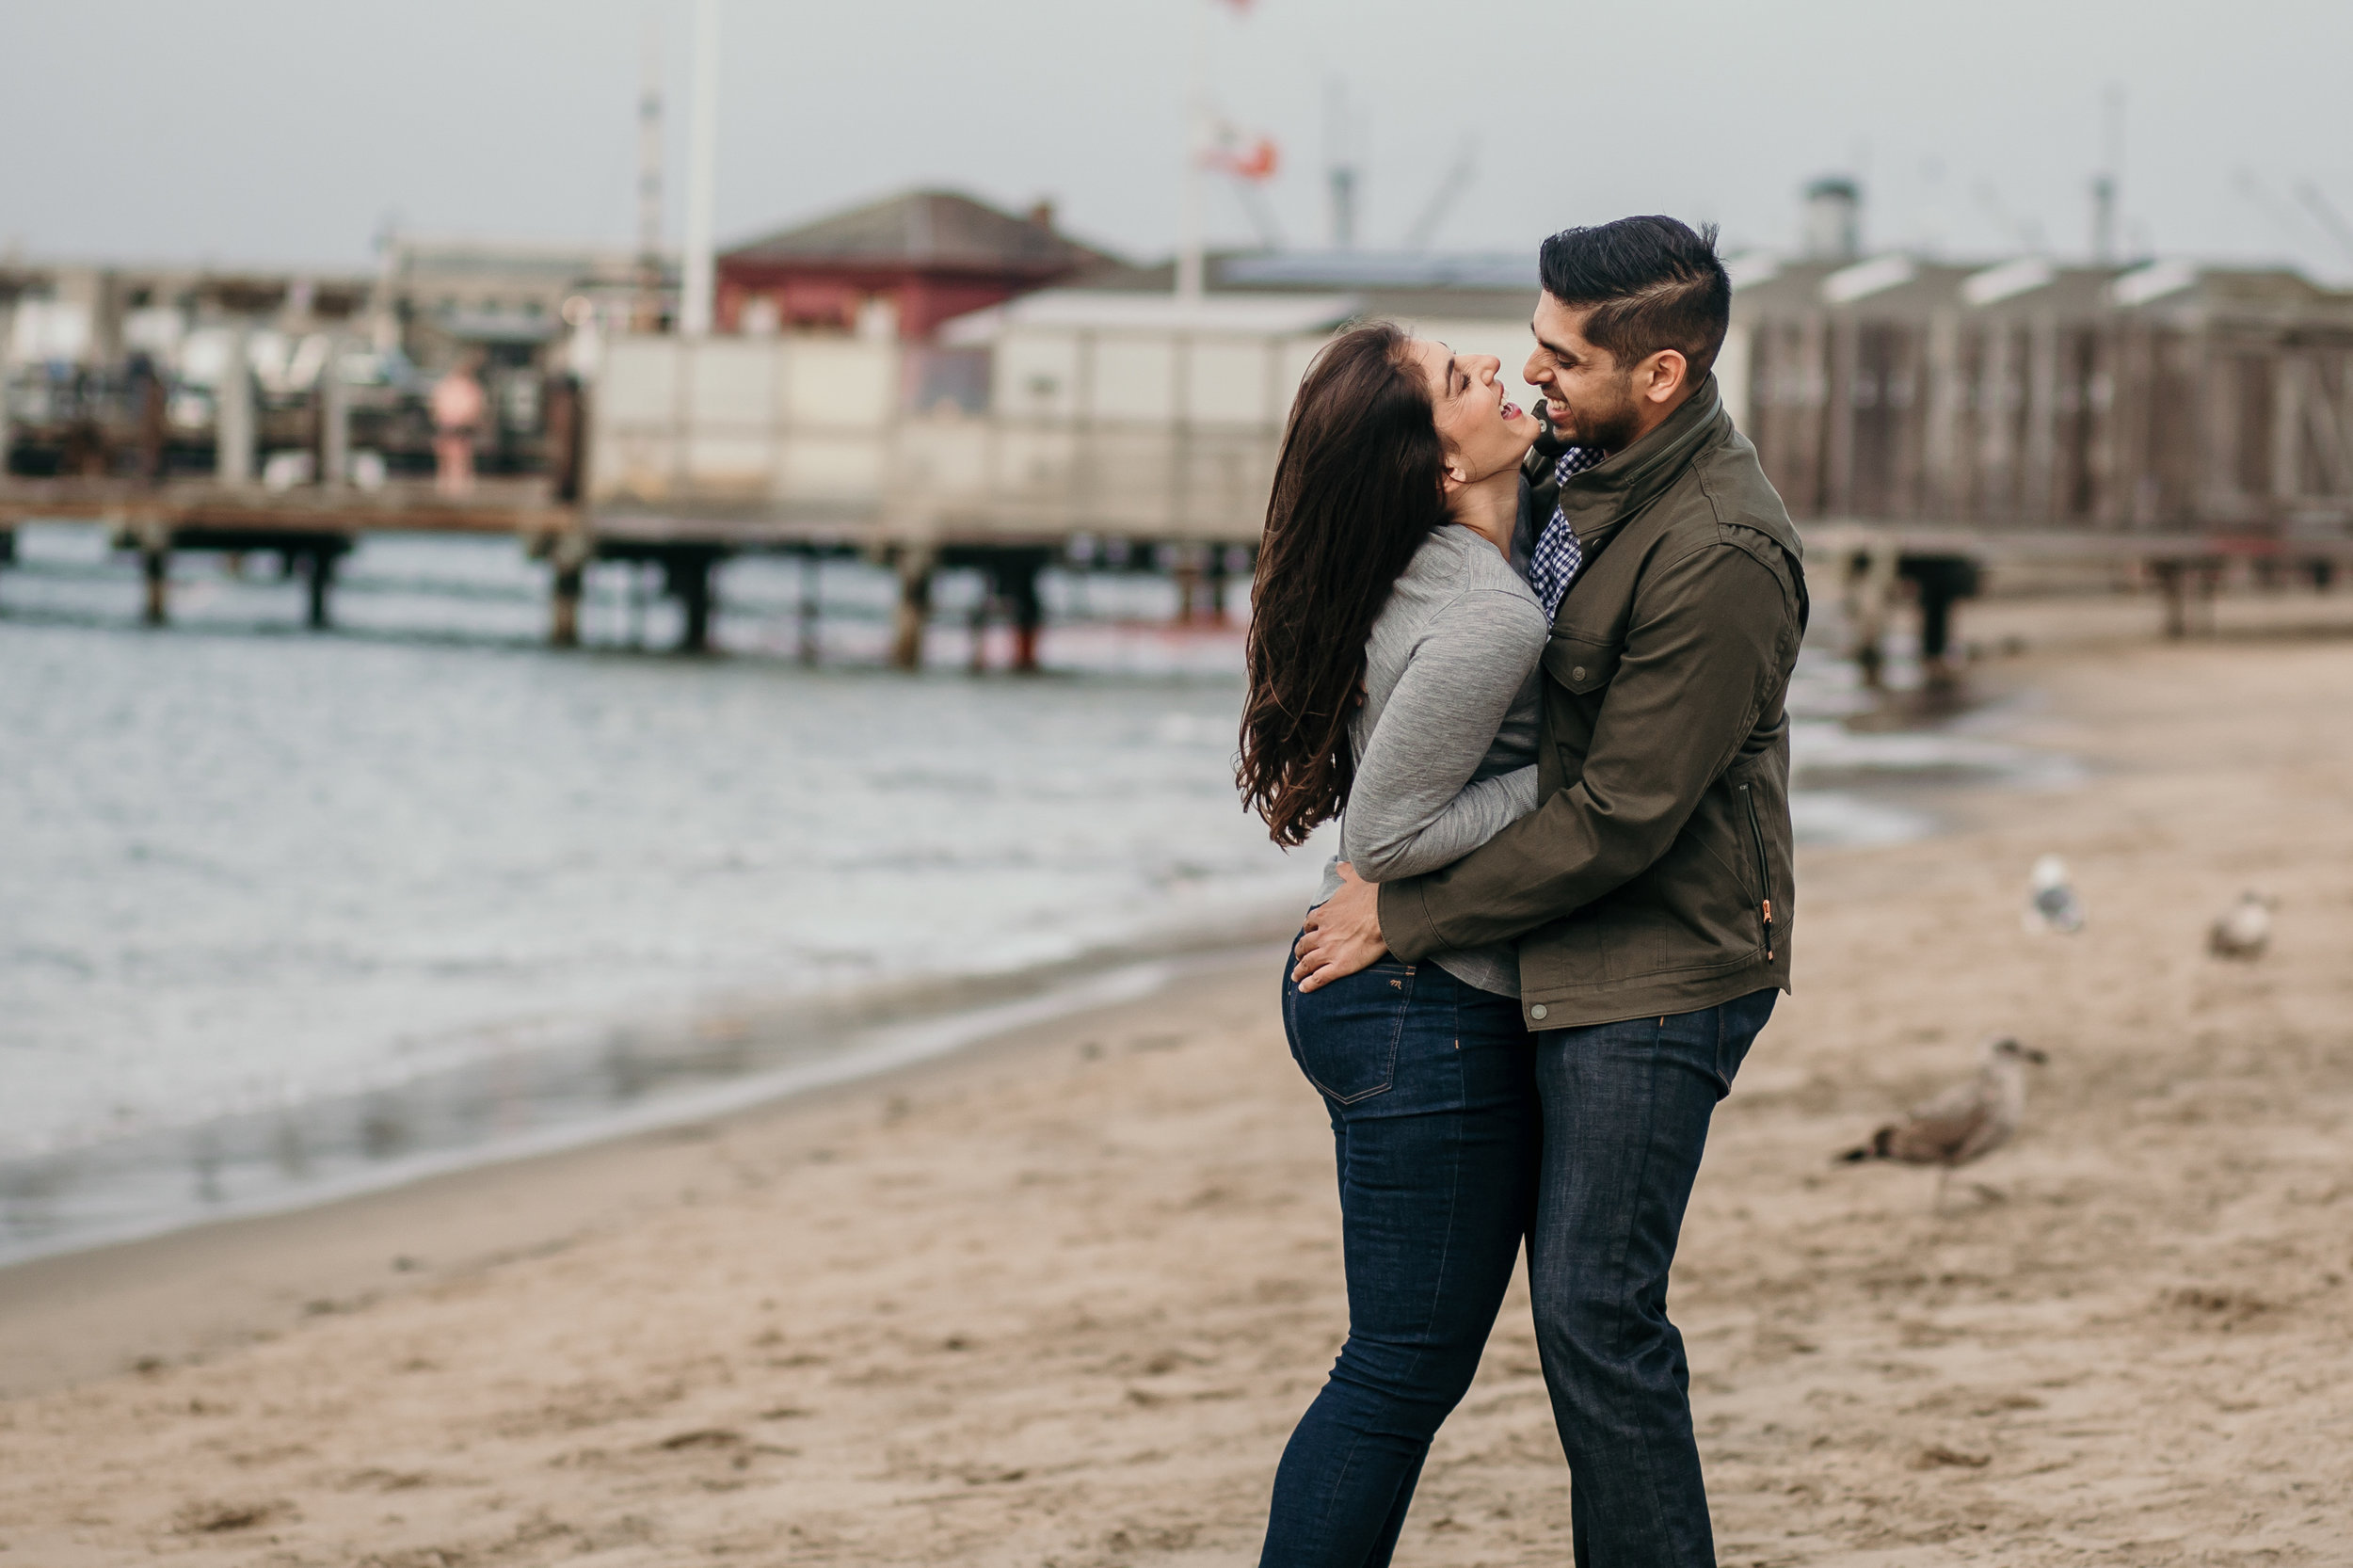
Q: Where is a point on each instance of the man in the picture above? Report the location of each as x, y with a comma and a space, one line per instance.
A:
1649, 891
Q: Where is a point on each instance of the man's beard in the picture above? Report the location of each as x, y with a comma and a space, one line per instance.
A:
1607, 429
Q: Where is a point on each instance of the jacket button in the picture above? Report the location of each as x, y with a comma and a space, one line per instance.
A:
1537, 1011
1576, 674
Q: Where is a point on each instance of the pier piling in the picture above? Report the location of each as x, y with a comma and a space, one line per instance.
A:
318, 575
686, 575
569, 553
2169, 575
914, 608
693, 585
1185, 566
564, 607
156, 569
810, 570
978, 662
2189, 586
1016, 574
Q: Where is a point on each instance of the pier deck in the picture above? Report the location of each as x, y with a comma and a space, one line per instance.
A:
314, 526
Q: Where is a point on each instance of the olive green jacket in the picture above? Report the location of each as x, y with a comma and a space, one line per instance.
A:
1655, 875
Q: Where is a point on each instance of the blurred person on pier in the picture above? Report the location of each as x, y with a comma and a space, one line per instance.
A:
459, 409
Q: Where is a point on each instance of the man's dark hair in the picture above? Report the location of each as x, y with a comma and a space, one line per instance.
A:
1650, 282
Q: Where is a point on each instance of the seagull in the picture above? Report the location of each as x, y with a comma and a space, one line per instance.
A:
2245, 931
1966, 1122
2053, 905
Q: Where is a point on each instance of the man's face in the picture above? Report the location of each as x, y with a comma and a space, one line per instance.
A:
1588, 398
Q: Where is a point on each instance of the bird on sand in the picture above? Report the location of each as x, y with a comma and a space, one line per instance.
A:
2053, 905
2244, 931
1966, 1122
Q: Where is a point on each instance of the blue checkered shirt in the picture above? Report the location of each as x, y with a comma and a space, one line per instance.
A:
1555, 562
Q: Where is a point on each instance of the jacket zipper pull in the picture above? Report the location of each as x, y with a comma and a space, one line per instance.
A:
1769, 930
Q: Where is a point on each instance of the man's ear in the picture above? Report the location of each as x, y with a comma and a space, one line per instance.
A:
1665, 373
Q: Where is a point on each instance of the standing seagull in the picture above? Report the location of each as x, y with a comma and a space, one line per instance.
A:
2245, 931
1966, 1122
2053, 905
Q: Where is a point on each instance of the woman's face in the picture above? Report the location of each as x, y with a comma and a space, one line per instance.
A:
1484, 431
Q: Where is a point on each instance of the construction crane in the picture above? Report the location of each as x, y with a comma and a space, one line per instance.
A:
1457, 179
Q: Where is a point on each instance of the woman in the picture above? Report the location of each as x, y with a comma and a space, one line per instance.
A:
1392, 658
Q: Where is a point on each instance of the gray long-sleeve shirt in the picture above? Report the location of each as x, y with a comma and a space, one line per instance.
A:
1445, 741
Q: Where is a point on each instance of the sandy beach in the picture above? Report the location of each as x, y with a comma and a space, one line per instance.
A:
1057, 1301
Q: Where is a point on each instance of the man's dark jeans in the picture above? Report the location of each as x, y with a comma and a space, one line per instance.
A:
1432, 1090
1627, 1108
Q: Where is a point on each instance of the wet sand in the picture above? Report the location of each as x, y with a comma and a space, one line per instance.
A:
1058, 1300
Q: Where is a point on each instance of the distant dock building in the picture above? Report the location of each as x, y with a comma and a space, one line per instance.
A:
896, 268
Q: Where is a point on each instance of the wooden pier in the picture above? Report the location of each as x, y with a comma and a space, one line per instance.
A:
311, 528
1924, 420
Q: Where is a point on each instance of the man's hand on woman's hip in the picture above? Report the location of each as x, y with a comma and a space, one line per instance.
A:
1343, 934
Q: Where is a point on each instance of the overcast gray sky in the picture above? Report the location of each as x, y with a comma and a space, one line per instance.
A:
288, 129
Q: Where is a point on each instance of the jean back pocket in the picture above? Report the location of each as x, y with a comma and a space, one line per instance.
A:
1344, 1036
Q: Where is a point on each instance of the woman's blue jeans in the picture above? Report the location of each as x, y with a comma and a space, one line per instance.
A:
1432, 1088
1457, 1133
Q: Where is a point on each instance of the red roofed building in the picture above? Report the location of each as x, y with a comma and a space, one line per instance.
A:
910, 262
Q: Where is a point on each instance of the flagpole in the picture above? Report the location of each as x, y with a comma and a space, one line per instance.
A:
696, 288
1188, 259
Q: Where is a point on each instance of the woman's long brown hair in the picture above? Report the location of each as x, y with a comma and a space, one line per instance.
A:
1358, 487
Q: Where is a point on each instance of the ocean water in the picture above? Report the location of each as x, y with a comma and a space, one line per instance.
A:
281, 907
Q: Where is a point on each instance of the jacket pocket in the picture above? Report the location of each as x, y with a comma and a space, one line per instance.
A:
1583, 664
1764, 866
1694, 910
1344, 1036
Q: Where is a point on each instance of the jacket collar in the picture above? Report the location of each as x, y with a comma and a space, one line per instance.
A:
1605, 495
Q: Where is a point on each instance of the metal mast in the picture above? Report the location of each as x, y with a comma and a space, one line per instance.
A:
1340, 163
646, 317
1189, 266
2104, 183
701, 171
